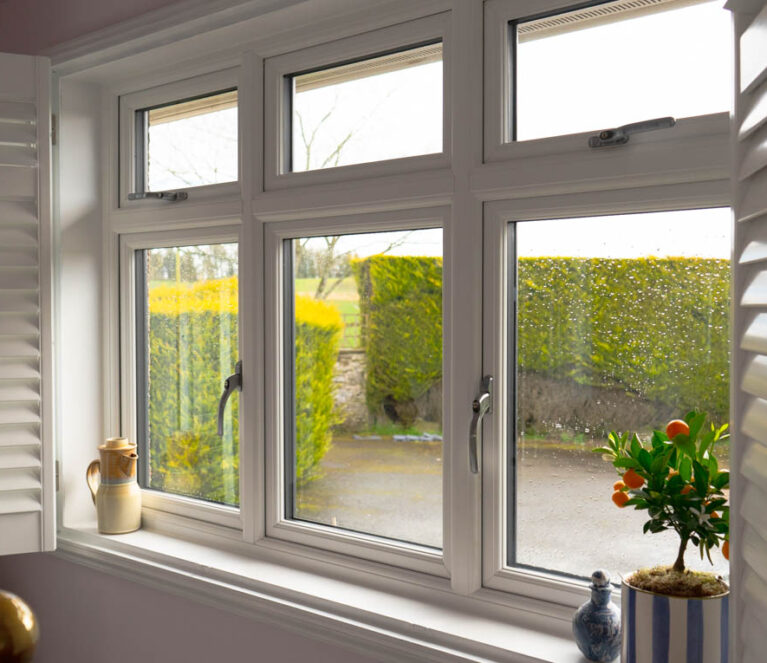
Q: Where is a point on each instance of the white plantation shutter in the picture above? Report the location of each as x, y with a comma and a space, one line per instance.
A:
27, 491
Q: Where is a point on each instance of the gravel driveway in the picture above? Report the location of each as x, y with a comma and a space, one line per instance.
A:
565, 518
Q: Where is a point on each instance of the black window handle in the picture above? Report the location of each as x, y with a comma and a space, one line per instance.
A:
232, 383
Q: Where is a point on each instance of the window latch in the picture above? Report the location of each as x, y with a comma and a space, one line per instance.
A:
481, 406
620, 136
170, 196
231, 384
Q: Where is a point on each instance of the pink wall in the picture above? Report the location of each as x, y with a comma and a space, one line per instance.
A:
90, 617
34, 26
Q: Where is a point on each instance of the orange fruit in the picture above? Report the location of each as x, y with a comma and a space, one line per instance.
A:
714, 514
726, 550
619, 485
620, 498
675, 427
632, 479
686, 489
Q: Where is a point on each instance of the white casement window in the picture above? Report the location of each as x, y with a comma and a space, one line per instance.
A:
180, 137
370, 105
605, 290
374, 214
180, 307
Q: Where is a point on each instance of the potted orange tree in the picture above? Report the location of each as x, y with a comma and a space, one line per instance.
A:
670, 613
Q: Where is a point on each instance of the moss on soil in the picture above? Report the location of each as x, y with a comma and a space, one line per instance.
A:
688, 584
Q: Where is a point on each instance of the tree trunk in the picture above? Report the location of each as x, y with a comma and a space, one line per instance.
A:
679, 564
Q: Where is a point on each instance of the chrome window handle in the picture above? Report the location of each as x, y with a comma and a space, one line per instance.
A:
170, 196
481, 406
621, 135
232, 383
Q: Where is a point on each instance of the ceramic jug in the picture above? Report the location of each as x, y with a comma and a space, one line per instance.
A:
116, 495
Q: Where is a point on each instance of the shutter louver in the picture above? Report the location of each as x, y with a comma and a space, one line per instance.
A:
749, 452
26, 460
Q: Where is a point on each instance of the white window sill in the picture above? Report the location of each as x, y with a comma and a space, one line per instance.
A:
410, 619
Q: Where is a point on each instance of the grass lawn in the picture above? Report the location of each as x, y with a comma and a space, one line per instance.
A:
344, 297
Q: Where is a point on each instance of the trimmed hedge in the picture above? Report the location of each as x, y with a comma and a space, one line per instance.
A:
193, 345
318, 334
401, 311
654, 327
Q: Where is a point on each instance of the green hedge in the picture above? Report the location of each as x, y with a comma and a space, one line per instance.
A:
192, 348
655, 327
318, 334
401, 312
192, 344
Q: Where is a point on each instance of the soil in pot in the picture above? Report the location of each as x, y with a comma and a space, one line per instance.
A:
687, 584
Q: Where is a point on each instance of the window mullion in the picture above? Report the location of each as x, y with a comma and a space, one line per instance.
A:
463, 302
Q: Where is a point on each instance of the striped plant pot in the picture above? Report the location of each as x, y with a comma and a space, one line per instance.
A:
668, 629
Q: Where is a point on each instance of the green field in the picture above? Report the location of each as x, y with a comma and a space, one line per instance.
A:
344, 298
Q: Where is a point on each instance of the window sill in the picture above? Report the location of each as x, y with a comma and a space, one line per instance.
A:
410, 619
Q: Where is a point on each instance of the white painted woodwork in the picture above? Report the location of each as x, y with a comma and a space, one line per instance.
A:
27, 513
749, 449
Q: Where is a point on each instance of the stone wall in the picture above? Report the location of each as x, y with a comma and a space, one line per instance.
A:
349, 383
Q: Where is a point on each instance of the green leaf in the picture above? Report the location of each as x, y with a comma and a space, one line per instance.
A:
603, 451
685, 469
701, 477
695, 422
645, 459
636, 447
721, 480
626, 462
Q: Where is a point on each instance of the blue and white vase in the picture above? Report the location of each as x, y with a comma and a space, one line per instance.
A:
597, 623
671, 629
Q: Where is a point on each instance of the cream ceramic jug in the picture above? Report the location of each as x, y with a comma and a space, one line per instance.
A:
116, 495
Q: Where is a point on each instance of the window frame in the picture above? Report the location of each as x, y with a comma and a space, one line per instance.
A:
231, 518
498, 98
458, 182
170, 93
496, 361
356, 544
327, 55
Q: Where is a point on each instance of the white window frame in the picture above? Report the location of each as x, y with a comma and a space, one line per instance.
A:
551, 177
498, 215
361, 545
177, 91
499, 69
221, 515
359, 47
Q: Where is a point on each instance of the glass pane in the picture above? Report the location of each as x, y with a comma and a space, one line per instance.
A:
381, 108
364, 415
187, 347
614, 63
191, 143
622, 324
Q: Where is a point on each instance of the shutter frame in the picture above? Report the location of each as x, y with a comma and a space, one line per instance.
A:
27, 459
749, 365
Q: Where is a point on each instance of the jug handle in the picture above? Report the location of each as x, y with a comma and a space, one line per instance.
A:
90, 476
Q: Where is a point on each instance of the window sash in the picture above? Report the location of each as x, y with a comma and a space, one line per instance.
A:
499, 146
499, 359
132, 416
278, 473
278, 97
132, 135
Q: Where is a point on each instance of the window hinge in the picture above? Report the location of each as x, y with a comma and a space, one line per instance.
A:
54, 133
57, 467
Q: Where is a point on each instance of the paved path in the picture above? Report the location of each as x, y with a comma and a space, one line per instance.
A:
565, 519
